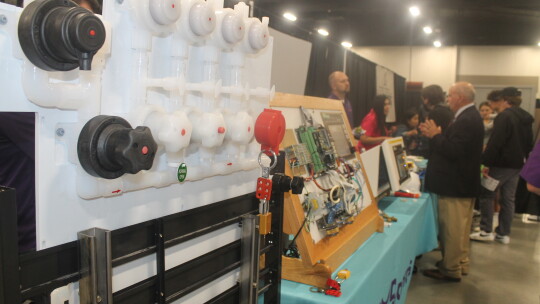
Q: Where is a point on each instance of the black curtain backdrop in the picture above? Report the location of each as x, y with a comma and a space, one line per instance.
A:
325, 58
400, 87
362, 76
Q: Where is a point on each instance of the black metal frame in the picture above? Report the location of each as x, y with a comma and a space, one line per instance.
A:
9, 256
33, 276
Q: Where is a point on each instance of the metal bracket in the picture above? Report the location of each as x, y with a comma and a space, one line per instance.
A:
249, 271
96, 266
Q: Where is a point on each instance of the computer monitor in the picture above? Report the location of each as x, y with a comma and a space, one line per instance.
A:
395, 156
383, 184
376, 170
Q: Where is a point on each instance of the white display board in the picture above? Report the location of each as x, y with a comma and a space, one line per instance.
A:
294, 119
370, 158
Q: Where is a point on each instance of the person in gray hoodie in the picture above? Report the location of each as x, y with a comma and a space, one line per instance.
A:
504, 156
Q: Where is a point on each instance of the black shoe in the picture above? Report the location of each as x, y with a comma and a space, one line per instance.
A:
437, 275
464, 271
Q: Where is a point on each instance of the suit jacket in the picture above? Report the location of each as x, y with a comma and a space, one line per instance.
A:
454, 164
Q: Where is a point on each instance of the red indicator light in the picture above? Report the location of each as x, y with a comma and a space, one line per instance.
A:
183, 132
144, 150
92, 33
221, 130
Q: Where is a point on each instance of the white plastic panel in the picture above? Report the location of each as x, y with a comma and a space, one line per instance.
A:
161, 67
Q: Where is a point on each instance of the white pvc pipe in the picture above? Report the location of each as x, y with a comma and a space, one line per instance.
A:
62, 95
89, 187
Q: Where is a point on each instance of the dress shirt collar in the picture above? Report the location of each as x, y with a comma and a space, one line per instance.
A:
463, 109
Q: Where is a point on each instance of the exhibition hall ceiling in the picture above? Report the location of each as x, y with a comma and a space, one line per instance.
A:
388, 22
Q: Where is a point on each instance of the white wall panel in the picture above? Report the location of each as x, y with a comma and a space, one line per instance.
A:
290, 63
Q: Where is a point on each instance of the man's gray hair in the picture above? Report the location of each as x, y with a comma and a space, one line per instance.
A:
466, 90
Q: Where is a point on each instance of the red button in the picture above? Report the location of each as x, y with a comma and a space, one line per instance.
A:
92, 32
183, 132
221, 130
144, 150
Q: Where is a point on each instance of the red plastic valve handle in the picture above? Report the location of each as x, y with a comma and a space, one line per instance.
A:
270, 129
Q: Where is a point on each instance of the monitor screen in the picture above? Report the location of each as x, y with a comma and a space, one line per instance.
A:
401, 162
335, 125
383, 184
396, 162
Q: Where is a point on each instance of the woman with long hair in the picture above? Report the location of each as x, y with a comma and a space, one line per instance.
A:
374, 123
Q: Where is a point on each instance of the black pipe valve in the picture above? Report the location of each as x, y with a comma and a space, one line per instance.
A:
285, 183
59, 35
108, 147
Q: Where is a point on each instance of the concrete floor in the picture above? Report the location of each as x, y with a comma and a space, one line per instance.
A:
500, 274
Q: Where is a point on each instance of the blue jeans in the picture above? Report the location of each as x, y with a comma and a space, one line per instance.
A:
508, 180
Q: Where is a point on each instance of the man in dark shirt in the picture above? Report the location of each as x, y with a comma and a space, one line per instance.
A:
503, 158
435, 109
339, 83
17, 170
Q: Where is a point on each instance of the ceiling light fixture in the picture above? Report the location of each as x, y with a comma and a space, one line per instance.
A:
538, 43
437, 43
415, 11
323, 32
346, 44
428, 30
289, 16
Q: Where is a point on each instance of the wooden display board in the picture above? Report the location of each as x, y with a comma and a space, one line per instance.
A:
319, 260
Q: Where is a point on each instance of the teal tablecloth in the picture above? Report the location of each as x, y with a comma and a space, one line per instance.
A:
381, 268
